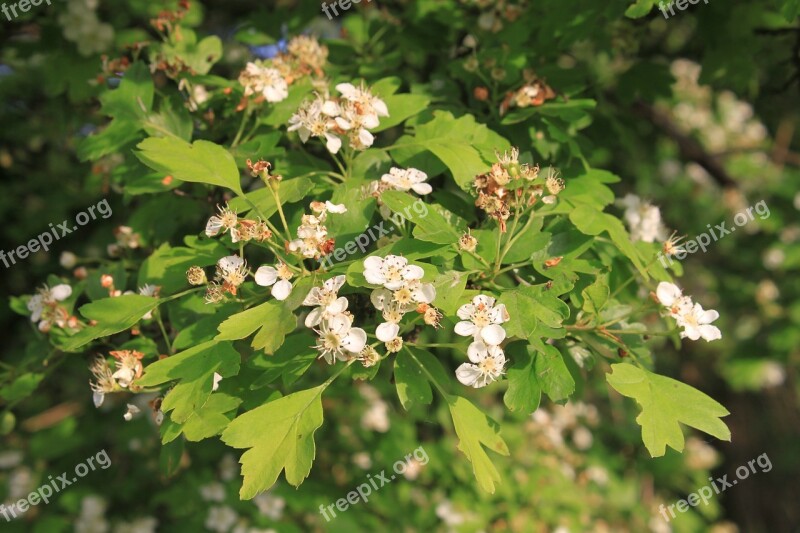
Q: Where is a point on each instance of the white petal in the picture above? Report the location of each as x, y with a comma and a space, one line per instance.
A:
355, 340
98, 398
213, 226
365, 137
667, 293
396, 261
477, 351
215, 385
334, 284
425, 294
469, 375
465, 311
379, 297
487, 301
465, 329
266, 276
387, 331
374, 277
333, 143
493, 334
314, 317
338, 306
499, 314
707, 317
282, 289
412, 272
230, 263
313, 297
340, 324
373, 262
422, 188
380, 106
61, 292
710, 333
335, 208
347, 89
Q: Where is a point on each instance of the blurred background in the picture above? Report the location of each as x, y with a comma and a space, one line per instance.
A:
698, 113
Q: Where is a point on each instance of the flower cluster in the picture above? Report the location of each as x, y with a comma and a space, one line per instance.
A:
338, 339
400, 179
643, 219
81, 26
511, 185
534, 93
128, 368
695, 321
401, 291
240, 229
270, 79
230, 273
351, 116
481, 319
312, 235
45, 309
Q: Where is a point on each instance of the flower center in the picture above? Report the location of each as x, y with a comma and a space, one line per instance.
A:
393, 274
326, 298
481, 318
331, 341
488, 365
403, 296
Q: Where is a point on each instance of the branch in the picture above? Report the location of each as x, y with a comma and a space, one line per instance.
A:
689, 147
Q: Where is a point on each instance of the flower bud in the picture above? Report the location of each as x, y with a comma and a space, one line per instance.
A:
68, 259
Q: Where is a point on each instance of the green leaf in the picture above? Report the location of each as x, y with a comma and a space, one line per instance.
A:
666, 403
592, 221
21, 387
199, 162
112, 315
401, 107
430, 225
207, 421
639, 9
595, 296
450, 287
476, 430
280, 435
463, 145
194, 370
292, 190
412, 385
243, 324
278, 322
523, 393
553, 374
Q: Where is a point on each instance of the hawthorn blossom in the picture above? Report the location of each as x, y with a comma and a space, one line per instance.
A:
326, 300
407, 179
481, 319
104, 381
695, 321
232, 271
44, 306
278, 278
131, 412
486, 365
129, 366
392, 272
316, 118
269, 82
643, 219
338, 338
369, 106
313, 241
226, 220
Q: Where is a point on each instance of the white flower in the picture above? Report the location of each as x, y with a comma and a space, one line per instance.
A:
213, 492
131, 412
233, 271
392, 272
337, 337
270, 505
671, 297
691, 316
367, 104
226, 220
326, 300
405, 179
392, 313
269, 276
643, 219
481, 319
314, 119
487, 365
268, 81
696, 324
221, 518
47, 299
